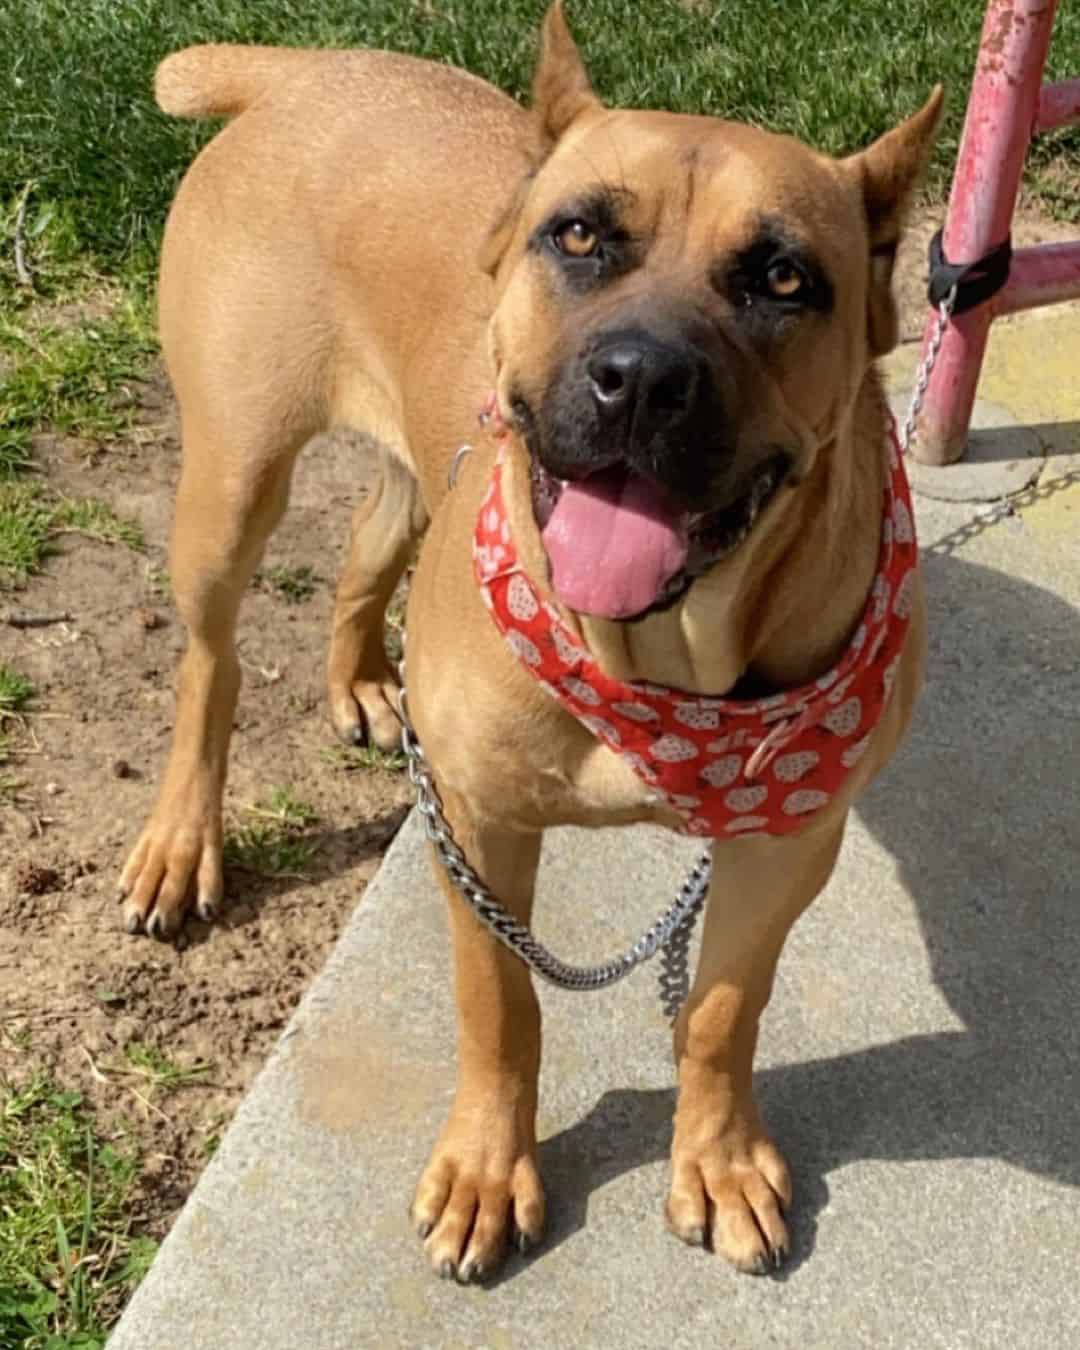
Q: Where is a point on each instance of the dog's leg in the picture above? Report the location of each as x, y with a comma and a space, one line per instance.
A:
220, 531
481, 1187
384, 529
730, 1184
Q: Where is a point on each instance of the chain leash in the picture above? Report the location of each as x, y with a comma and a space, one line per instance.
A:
516, 936
922, 378
672, 932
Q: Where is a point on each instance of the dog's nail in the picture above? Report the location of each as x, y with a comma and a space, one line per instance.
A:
779, 1256
472, 1273
158, 926
208, 910
759, 1265
423, 1230
446, 1269
133, 922
694, 1237
525, 1243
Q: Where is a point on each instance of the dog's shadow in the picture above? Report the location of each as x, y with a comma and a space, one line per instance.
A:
981, 811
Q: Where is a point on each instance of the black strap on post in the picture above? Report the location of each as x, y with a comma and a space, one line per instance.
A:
975, 282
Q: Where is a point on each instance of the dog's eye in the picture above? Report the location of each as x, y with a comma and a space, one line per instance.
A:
784, 280
576, 239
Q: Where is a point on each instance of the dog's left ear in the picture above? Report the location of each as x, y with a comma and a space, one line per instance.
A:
888, 173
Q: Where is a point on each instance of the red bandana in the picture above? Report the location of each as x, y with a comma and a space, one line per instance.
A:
727, 766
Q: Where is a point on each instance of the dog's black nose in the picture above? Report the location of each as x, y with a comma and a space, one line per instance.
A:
635, 377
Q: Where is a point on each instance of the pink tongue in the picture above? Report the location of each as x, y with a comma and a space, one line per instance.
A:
613, 543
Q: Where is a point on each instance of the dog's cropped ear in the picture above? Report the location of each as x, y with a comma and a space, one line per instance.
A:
561, 91
888, 173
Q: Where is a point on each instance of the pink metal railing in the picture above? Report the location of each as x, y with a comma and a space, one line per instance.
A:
1008, 105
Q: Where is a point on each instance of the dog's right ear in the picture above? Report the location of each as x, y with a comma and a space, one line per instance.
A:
887, 173
561, 91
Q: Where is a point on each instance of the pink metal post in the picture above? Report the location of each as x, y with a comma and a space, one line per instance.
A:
1059, 105
1040, 275
1007, 105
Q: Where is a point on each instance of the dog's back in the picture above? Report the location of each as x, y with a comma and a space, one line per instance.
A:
300, 253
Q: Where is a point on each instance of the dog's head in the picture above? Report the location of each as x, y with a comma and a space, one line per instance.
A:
686, 311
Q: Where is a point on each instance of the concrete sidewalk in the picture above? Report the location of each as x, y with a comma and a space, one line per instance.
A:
919, 1065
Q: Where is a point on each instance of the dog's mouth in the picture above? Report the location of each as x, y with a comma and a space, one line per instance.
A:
619, 545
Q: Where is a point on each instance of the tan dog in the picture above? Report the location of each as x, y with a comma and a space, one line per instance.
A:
672, 300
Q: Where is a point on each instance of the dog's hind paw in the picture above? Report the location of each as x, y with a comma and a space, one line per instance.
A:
363, 713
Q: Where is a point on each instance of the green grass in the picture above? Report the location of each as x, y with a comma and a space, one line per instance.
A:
31, 520
285, 808
158, 581
62, 267
293, 584
25, 530
80, 124
16, 691
97, 520
212, 1133
353, 757
273, 843
160, 1072
75, 378
68, 1260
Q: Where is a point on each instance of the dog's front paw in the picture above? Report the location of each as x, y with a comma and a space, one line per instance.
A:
730, 1192
177, 860
480, 1193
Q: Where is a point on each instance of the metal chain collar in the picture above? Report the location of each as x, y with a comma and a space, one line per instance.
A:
673, 930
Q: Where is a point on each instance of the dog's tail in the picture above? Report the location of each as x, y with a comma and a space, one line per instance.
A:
222, 79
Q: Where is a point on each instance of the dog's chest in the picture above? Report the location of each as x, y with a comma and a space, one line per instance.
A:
607, 785
583, 783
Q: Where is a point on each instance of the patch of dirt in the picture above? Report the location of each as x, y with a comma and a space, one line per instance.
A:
75, 990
